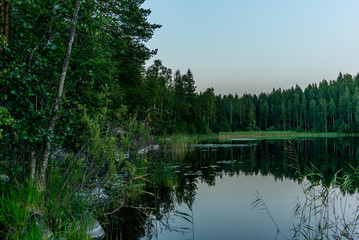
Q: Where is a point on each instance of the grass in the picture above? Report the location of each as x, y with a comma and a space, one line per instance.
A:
163, 175
16, 205
25, 212
22, 205
324, 211
276, 134
181, 141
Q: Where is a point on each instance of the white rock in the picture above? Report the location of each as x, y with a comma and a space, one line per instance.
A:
4, 178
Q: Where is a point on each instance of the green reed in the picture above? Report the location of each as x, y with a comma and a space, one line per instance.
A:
324, 211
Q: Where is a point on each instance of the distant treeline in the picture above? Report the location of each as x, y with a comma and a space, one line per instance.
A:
175, 106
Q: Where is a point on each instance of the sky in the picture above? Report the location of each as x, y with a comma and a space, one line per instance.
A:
253, 46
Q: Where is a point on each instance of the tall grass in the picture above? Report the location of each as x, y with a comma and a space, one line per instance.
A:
324, 211
27, 214
275, 134
16, 205
180, 142
163, 175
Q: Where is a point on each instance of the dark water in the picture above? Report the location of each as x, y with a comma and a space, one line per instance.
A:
245, 189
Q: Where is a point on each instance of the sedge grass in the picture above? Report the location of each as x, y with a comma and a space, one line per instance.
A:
17, 202
26, 213
276, 134
181, 141
324, 211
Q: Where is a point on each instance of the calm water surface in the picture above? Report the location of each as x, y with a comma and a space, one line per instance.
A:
213, 188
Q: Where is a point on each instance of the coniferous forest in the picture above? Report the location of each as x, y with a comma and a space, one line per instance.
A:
330, 106
107, 83
73, 79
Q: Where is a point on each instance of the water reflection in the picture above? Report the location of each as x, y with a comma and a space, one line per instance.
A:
208, 192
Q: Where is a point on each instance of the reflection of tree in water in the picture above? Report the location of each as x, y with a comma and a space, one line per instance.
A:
269, 158
265, 157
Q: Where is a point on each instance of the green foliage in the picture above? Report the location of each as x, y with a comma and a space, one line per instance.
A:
329, 106
16, 204
163, 175
135, 138
59, 207
5, 120
106, 63
105, 70
101, 147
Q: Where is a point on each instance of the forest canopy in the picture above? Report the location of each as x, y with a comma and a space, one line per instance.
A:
107, 74
327, 106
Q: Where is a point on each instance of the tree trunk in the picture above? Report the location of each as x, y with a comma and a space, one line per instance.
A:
5, 19
4, 26
33, 166
52, 124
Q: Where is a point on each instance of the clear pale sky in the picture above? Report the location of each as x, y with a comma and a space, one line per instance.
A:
253, 46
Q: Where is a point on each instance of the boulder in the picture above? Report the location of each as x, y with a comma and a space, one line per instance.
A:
58, 155
93, 227
149, 148
4, 178
94, 196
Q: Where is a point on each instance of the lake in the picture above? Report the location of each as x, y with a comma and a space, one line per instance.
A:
249, 189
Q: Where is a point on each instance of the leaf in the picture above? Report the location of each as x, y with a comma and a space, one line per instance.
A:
184, 215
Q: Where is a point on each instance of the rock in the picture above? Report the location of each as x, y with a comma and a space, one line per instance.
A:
118, 131
99, 194
94, 196
121, 155
119, 180
4, 178
95, 230
93, 227
150, 148
58, 155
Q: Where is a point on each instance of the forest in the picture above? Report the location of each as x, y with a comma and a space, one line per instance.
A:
330, 106
107, 83
107, 88
107, 73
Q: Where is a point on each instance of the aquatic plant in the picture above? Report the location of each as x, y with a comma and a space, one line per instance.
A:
324, 211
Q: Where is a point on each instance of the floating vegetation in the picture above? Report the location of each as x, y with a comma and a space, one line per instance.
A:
213, 166
225, 162
221, 145
243, 139
197, 173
